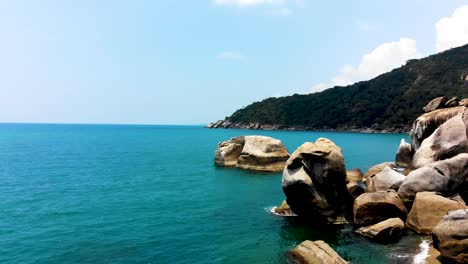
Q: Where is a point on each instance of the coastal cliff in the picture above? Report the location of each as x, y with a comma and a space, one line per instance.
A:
386, 104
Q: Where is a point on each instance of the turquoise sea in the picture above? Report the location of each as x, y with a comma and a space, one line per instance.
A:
150, 194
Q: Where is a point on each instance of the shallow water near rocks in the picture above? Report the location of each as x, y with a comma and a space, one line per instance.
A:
150, 194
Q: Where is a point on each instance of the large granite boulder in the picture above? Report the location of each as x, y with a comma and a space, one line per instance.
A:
372, 171
427, 123
252, 152
371, 208
384, 180
450, 236
314, 182
436, 103
355, 184
317, 252
428, 208
404, 154
390, 230
447, 141
445, 176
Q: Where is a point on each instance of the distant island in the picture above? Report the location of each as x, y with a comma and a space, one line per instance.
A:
387, 103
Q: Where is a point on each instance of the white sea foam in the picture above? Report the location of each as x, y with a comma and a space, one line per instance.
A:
421, 257
272, 210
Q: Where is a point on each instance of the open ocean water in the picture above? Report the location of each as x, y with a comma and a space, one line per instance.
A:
151, 194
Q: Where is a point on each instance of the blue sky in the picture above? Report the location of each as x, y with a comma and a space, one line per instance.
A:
192, 62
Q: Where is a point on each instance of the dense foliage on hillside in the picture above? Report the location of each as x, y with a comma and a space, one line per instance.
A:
391, 100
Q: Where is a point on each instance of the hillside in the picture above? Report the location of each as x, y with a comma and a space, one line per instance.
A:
388, 102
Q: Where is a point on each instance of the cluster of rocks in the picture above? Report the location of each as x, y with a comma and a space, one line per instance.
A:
425, 189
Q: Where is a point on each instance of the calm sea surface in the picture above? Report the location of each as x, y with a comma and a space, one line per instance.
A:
150, 194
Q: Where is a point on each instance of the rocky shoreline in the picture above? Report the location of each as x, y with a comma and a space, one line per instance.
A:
228, 124
425, 189
437, 103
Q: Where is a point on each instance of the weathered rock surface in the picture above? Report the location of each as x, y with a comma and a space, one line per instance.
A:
390, 230
404, 154
384, 180
447, 141
450, 236
253, 153
355, 184
314, 182
284, 209
372, 171
317, 252
434, 104
445, 176
371, 208
463, 102
427, 123
428, 209
452, 102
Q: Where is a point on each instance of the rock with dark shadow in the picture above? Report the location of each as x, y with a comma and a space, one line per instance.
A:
446, 177
427, 123
384, 180
314, 182
388, 231
371, 208
355, 183
404, 154
447, 141
450, 236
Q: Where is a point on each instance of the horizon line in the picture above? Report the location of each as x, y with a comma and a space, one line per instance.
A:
114, 124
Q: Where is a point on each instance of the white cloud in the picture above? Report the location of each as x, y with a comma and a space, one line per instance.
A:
230, 55
320, 87
452, 31
280, 12
384, 58
247, 2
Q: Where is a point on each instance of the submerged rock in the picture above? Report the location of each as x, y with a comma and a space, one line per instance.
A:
371, 208
427, 123
445, 176
384, 180
252, 152
317, 252
314, 182
447, 141
404, 154
450, 236
390, 230
428, 209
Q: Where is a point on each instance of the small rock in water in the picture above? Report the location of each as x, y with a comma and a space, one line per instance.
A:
283, 210
317, 252
390, 230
